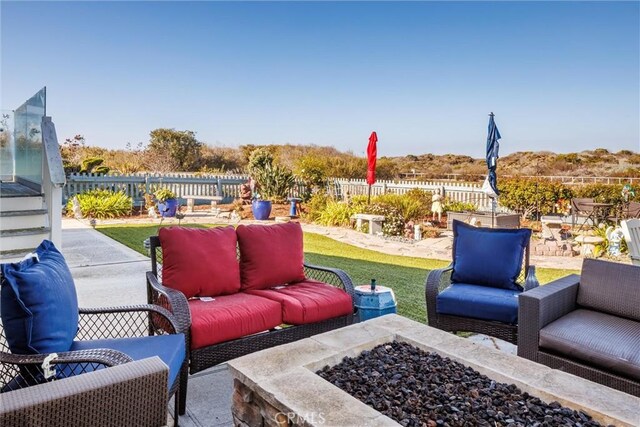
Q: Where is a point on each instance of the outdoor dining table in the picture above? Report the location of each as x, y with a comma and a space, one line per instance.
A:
600, 211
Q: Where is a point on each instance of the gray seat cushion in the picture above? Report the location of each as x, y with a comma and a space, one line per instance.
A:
610, 287
598, 339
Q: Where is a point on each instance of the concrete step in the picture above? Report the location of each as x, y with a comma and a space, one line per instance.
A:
15, 220
23, 239
20, 203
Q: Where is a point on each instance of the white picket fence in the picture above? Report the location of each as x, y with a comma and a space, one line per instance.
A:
228, 186
139, 184
454, 191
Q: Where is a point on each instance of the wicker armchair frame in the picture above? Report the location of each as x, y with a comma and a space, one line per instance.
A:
440, 279
130, 394
203, 358
546, 304
97, 323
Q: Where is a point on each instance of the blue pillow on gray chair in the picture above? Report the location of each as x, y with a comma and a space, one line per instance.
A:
488, 256
38, 303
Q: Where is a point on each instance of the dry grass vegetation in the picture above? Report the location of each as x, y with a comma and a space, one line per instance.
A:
312, 160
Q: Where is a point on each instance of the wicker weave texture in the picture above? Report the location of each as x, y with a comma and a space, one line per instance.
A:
94, 323
206, 357
544, 305
438, 280
133, 394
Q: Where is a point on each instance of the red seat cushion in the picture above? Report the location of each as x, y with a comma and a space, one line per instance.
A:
270, 255
200, 262
309, 301
229, 317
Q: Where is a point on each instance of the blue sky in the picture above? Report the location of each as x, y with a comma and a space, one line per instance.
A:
424, 75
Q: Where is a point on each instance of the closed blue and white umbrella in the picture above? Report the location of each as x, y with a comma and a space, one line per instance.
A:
490, 186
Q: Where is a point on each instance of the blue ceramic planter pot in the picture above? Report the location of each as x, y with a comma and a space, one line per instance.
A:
168, 208
261, 209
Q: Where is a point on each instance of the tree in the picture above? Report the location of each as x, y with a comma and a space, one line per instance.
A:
180, 145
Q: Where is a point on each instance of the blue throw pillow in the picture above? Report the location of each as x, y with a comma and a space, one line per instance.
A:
488, 256
38, 303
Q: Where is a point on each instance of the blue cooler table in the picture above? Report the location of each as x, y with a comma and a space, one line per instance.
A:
374, 304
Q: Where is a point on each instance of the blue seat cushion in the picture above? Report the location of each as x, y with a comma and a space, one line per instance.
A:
488, 256
169, 348
38, 303
479, 302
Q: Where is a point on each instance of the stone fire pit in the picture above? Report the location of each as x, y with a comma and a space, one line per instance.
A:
279, 386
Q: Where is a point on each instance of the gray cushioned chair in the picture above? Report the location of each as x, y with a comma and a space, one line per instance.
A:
587, 325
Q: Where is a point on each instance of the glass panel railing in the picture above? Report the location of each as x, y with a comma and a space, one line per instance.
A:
28, 139
6, 145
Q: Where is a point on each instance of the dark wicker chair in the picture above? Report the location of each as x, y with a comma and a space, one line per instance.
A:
129, 394
440, 279
203, 358
94, 323
561, 322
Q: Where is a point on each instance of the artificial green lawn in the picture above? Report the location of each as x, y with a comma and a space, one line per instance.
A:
405, 275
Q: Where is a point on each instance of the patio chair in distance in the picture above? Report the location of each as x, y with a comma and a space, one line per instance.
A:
479, 291
44, 336
581, 210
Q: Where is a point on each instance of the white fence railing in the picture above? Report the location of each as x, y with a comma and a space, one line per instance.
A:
578, 180
455, 191
228, 186
139, 184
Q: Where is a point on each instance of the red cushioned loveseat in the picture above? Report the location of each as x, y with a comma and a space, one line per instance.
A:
241, 286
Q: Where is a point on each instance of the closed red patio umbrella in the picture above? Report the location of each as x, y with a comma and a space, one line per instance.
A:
372, 153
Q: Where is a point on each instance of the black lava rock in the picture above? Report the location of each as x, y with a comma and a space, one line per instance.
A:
421, 389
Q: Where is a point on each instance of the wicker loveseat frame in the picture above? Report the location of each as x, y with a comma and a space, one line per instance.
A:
440, 279
551, 302
73, 400
203, 358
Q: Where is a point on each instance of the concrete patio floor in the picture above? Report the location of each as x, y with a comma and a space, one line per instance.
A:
108, 273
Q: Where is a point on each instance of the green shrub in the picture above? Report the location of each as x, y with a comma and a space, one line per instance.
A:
454, 206
532, 197
89, 164
312, 171
410, 207
316, 204
102, 204
102, 170
336, 214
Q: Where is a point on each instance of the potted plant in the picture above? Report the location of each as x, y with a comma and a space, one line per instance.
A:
167, 202
272, 182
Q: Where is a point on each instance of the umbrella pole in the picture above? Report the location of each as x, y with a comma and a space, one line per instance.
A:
493, 213
369, 196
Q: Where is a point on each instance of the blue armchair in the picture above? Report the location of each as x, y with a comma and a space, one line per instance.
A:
44, 336
479, 291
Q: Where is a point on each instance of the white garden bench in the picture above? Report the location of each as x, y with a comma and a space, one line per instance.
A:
214, 202
375, 222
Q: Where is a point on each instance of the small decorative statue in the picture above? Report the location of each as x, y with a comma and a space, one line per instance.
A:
152, 213
614, 236
77, 211
436, 205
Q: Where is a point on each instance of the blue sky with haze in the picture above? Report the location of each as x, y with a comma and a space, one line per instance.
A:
424, 75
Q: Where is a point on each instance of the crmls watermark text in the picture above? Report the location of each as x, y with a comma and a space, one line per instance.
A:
291, 418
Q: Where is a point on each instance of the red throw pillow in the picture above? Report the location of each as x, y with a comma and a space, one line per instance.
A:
270, 255
200, 262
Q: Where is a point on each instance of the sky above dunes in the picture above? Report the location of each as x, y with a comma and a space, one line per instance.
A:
560, 76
